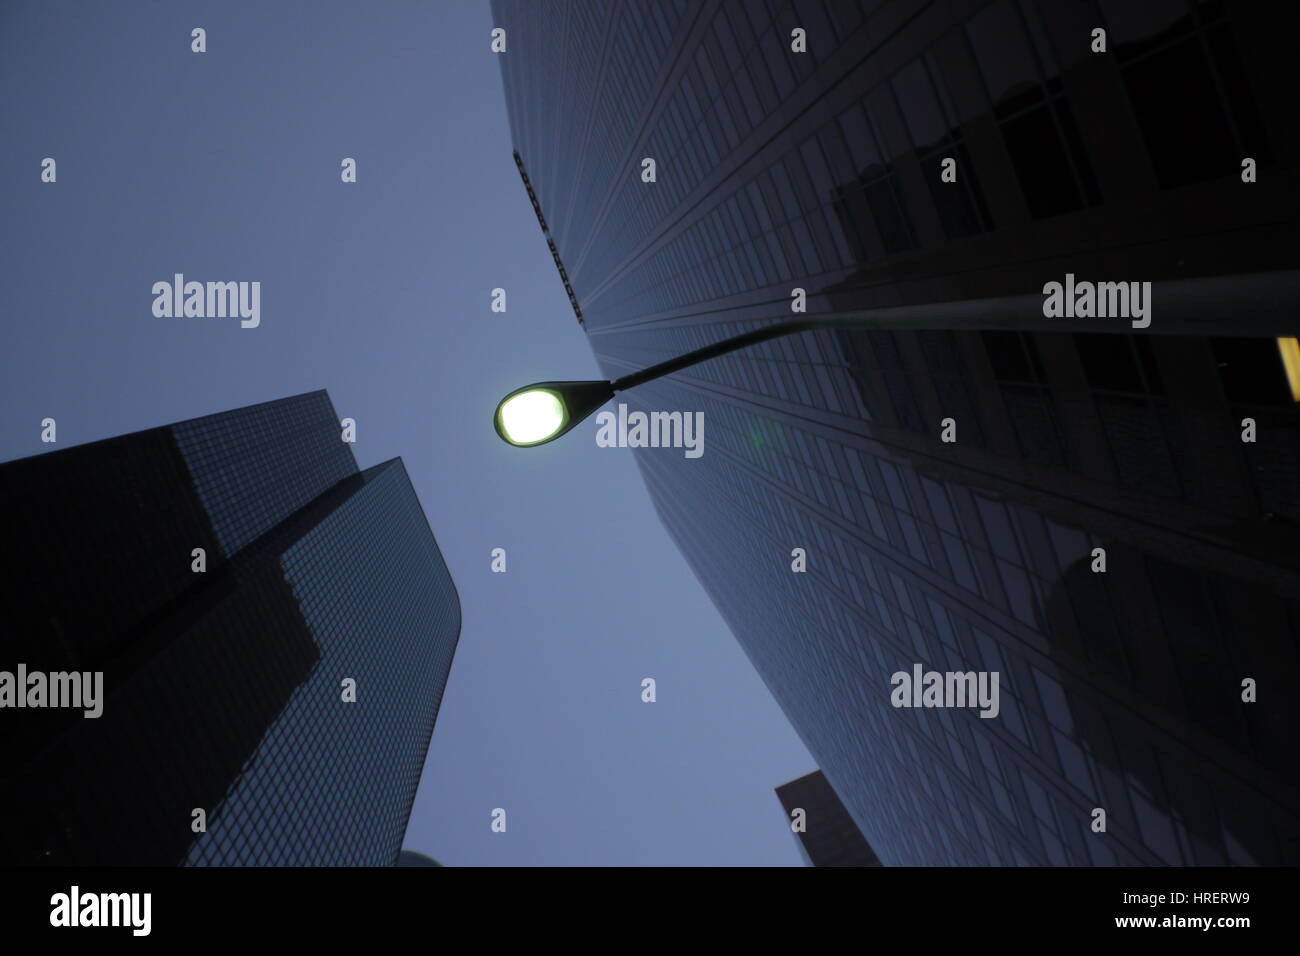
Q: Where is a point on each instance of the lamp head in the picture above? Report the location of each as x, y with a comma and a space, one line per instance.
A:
543, 411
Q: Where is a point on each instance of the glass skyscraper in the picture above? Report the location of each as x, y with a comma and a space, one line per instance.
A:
827, 834
1169, 154
274, 628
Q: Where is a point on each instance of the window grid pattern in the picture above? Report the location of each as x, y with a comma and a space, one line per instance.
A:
222, 691
332, 783
965, 557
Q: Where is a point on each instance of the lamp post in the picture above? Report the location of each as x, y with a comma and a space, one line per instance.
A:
1258, 304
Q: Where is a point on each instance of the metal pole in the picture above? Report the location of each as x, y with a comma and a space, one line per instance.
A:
1264, 304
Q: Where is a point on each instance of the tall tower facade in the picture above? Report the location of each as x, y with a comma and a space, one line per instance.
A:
1106, 519
826, 833
272, 629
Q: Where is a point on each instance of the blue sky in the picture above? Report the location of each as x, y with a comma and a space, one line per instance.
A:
225, 166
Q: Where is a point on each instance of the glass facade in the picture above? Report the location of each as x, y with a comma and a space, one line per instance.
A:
1121, 689
223, 689
828, 837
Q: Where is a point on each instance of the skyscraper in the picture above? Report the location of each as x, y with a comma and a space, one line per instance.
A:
1105, 519
274, 628
827, 836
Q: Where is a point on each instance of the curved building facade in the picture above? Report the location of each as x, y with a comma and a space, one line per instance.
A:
952, 491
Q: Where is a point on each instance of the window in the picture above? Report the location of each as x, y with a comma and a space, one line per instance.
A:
1181, 116
936, 136
1038, 128
1188, 89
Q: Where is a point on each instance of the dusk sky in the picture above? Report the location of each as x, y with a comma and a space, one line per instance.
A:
225, 166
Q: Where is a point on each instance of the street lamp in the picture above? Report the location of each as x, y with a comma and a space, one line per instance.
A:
543, 411
1258, 304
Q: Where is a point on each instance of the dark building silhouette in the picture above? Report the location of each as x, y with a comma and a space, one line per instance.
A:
223, 689
776, 170
829, 836
412, 858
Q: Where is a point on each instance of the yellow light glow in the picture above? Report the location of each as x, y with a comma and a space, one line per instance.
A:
531, 417
1290, 350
